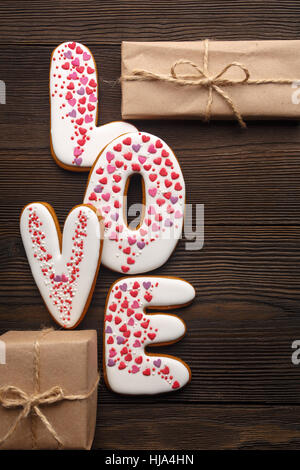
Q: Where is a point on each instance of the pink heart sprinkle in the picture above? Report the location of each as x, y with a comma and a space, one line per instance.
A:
106, 196
86, 56
77, 151
75, 62
130, 321
136, 344
88, 118
106, 209
155, 227
142, 159
151, 149
152, 192
111, 169
113, 236
92, 98
84, 80
72, 102
131, 240
151, 210
109, 156
178, 215
135, 304
134, 368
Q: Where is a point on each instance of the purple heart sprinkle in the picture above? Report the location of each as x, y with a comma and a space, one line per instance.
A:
157, 363
140, 245
80, 91
98, 188
136, 147
120, 339
108, 329
174, 199
68, 55
147, 285
110, 363
114, 216
57, 278
123, 287
78, 161
72, 113
168, 223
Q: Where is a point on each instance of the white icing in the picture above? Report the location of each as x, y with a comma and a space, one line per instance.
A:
65, 297
165, 373
65, 108
149, 246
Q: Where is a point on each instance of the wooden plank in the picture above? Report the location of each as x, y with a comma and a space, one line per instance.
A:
240, 327
235, 189
197, 427
245, 390
109, 22
242, 177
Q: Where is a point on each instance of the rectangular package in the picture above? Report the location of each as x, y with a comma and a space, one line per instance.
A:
35, 362
264, 60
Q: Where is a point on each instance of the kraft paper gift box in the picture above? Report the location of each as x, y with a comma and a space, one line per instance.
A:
148, 92
54, 375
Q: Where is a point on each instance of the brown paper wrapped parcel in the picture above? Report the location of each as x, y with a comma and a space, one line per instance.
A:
211, 80
48, 379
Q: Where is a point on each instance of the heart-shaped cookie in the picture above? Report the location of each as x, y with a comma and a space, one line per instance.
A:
64, 267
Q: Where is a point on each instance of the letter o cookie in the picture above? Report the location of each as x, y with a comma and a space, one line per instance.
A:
152, 243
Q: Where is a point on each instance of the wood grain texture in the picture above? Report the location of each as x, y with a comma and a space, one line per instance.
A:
201, 427
103, 21
245, 390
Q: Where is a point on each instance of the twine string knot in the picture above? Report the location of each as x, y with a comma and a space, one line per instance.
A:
203, 79
30, 404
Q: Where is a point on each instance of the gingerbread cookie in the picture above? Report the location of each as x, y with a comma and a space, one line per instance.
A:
64, 268
75, 139
128, 330
148, 247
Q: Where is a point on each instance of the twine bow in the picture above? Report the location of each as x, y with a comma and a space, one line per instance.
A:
15, 397
204, 79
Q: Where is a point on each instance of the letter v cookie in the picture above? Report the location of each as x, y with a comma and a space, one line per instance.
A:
64, 267
129, 329
76, 141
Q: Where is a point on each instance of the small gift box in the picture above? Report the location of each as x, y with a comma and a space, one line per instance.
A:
48, 389
211, 80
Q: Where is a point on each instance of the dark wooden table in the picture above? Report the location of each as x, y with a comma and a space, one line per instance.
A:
245, 391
